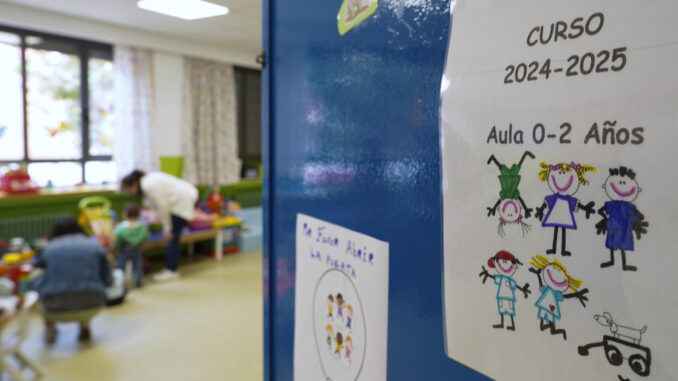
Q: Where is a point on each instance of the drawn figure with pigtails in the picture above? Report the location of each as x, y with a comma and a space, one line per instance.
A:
505, 266
564, 181
620, 217
554, 280
511, 206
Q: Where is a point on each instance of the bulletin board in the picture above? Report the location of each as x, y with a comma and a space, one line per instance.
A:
558, 134
351, 138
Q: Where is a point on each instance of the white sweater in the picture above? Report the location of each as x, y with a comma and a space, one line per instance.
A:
170, 195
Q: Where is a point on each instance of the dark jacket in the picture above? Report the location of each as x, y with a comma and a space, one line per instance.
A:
73, 263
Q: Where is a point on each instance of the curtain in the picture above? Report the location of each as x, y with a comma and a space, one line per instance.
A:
210, 133
134, 102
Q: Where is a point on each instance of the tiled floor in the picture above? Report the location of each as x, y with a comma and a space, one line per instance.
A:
207, 326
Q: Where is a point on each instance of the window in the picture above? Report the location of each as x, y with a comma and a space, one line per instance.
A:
56, 107
248, 83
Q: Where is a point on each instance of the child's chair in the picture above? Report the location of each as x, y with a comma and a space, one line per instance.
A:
12, 335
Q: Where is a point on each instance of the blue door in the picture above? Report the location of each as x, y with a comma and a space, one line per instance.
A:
352, 137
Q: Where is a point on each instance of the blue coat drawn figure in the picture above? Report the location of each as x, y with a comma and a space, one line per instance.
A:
548, 305
553, 282
563, 180
506, 295
505, 266
620, 217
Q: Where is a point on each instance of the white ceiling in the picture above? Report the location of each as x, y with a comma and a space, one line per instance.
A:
238, 30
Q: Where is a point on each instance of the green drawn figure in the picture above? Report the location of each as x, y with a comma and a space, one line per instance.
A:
509, 179
512, 208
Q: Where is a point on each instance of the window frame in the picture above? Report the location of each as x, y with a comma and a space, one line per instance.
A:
84, 49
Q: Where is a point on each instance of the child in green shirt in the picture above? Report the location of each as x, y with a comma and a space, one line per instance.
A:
129, 236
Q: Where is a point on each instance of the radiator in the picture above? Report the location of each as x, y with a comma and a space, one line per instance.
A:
28, 228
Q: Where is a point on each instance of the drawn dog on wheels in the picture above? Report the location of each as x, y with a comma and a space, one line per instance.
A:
620, 331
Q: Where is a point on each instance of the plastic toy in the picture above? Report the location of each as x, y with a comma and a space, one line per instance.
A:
95, 218
215, 201
227, 222
17, 272
202, 220
19, 246
16, 180
6, 287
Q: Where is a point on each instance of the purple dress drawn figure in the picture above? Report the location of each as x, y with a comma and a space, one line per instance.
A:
563, 180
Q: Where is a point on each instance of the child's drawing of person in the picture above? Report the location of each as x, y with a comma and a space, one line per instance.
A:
330, 333
330, 305
340, 305
505, 266
620, 217
348, 346
553, 282
349, 316
561, 204
510, 213
338, 340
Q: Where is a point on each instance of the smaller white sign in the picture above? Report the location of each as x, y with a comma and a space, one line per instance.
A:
341, 307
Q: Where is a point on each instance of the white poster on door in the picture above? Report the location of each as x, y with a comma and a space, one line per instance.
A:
559, 128
341, 306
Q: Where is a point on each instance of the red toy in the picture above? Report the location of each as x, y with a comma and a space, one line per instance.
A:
215, 201
16, 180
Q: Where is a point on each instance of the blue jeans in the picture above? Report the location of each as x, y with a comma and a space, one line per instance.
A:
132, 254
174, 246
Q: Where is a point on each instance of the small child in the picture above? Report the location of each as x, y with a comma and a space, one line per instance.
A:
129, 236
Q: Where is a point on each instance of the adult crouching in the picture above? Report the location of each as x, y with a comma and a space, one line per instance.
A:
75, 277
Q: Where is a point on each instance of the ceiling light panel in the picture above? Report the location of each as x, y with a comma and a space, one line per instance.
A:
184, 9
